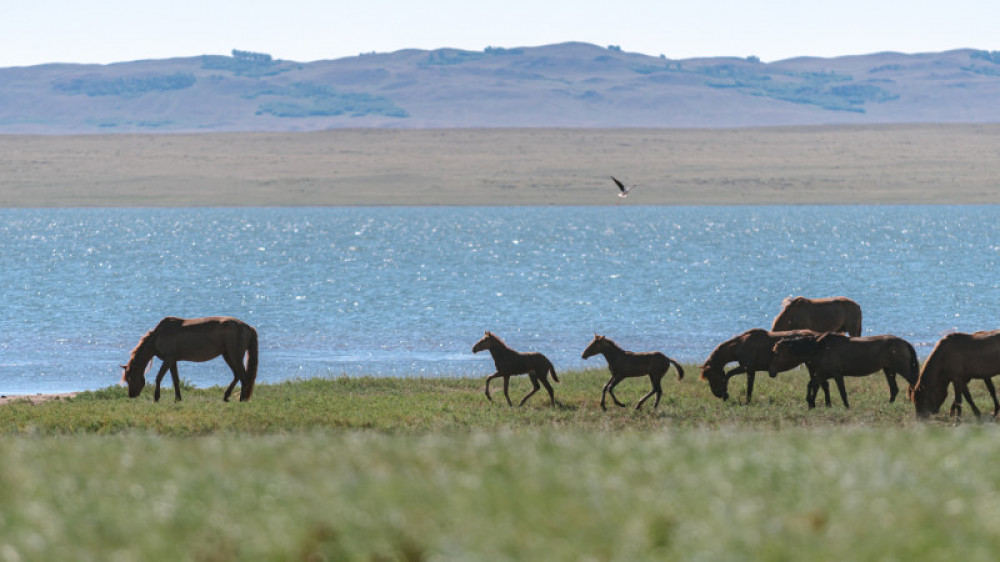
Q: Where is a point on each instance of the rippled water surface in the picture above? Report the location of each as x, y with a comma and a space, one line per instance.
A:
407, 291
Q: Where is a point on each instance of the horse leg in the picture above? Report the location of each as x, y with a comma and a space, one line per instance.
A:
229, 390
159, 378
968, 397
176, 380
534, 388
890, 378
239, 375
604, 392
548, 387
839, 379
488, 379
611, 391
506, 389
811, 389
654, 381
825, 385
751, 375
961, 389
993, 395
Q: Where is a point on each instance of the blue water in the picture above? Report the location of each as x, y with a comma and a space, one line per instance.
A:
406, 291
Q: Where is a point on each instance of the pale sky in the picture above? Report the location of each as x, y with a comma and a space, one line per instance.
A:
104, 31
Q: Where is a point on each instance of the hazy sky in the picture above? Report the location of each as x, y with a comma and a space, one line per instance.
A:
102, 31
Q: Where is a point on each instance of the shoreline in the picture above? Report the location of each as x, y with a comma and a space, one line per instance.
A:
37, 398
889, 164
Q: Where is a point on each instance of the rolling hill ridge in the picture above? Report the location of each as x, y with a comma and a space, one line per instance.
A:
564, 85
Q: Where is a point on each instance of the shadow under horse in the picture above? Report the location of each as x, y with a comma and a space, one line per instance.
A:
624, 364
194, 339
510, 363
837, 356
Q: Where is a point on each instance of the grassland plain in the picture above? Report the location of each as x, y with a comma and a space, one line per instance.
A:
895, 164
424, 469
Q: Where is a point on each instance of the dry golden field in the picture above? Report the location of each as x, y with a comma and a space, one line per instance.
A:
827, 165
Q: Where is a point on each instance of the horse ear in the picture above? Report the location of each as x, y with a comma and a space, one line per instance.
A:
488, 333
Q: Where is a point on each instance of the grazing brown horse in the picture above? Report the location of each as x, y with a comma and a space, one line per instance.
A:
835, 314
837, 356
956, 359
623, 364
753, 350
510, 363
194, 339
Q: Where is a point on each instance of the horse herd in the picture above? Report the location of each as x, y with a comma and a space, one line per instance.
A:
822, 334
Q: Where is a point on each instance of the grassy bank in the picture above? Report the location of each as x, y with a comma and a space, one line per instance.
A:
397, 469
398, 405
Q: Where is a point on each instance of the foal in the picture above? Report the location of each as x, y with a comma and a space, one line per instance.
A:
510, 363
623, 364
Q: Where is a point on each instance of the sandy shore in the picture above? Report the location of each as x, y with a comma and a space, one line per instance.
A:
827, 165
34, 398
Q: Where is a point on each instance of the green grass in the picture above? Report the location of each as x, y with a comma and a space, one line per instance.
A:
420, 469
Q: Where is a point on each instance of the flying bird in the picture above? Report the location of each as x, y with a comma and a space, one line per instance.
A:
625, 189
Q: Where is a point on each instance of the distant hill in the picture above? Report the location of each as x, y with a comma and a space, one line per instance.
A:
565, 85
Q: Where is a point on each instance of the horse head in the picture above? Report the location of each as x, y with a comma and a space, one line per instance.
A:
487, 341
135, 377
930, 391
595, 346
717, 379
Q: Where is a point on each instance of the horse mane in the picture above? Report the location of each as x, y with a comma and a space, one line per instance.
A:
790, 300
612, 342
724, 346
141, 354
498, 339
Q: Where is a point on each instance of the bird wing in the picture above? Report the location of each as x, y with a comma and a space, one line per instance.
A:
620, 185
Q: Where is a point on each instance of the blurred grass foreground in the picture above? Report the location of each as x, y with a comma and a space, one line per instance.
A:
428, 469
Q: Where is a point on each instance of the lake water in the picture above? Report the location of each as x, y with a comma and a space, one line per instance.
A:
406, 291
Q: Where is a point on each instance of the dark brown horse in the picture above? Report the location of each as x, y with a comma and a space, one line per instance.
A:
835, 356
510, 363
956, 359
835, 314
753, 351
624, 364
194, 339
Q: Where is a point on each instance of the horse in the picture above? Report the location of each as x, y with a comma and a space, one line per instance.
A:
956, 359
837, 356
624, 364
753, 350
835, 314
509, 363
194, 339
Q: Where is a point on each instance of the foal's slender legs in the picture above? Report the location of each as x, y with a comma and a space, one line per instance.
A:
488, 379
609, 388
657, 390
535, 386
548, 387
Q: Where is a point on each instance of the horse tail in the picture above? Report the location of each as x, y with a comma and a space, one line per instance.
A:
251, 362
552, 370
914, 365
680, 370
854, 326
